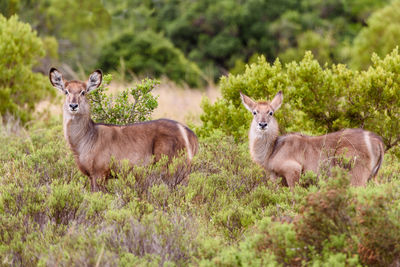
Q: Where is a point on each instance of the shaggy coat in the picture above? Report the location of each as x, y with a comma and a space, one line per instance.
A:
94, 145
290, 155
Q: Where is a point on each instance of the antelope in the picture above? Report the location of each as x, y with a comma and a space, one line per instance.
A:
290, 155
95, 145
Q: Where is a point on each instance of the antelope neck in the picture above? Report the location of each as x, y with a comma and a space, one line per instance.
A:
79, 131
262, 144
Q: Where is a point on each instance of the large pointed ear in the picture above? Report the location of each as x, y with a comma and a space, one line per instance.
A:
249, 103
277, 101
94, 81
57, 79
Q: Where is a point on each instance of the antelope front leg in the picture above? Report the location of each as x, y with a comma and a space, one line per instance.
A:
291, 171
94, 183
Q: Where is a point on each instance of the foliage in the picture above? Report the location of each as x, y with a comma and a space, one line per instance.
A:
322, 47
20, 87
79, 27
214, 35
228, 213
381, 36
9, 8
149, 53
120, 109
323, 99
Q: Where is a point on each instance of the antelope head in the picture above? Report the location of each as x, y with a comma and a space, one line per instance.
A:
75, 91
263, 112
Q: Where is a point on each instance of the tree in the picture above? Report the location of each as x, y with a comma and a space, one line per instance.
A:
79, 27
20, 50
381, 36
149, 53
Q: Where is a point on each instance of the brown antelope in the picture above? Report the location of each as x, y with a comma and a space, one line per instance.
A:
290, 155
95, 144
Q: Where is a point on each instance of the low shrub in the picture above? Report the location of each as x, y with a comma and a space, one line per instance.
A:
228, 213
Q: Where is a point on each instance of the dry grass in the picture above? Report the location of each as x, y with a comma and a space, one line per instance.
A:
179, 103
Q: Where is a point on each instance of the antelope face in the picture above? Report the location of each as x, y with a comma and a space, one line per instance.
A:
75, 91
262, 115
263, 111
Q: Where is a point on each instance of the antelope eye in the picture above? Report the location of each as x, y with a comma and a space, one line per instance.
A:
66, 92
83, 93
254, 112
271, 113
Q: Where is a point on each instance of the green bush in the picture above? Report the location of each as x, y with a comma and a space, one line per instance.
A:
149, 53
317, 99
120, 109
228, 214
380, 36
20, 88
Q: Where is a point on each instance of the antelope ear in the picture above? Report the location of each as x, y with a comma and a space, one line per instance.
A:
277, 101
57, 79
94, 81
249, 103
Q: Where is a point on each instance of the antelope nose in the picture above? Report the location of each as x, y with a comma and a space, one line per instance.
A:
73, 106
262, 125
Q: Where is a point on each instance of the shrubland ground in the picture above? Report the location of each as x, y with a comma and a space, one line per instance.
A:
229, 213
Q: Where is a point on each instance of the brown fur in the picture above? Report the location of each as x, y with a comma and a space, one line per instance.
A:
291, 155
95, 144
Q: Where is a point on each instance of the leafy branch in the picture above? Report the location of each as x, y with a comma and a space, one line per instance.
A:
128, 106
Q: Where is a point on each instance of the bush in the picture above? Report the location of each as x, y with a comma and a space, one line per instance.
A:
20, 88
120, 109
148, 53
317, 99
228, 214
380, 36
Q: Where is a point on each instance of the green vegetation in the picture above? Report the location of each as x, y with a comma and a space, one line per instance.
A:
20, 87
129, 106
171, 38
229, 214
380, 36
149, 53
317, 99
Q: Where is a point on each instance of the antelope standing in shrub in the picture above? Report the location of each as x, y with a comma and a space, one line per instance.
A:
95, 144
290, 155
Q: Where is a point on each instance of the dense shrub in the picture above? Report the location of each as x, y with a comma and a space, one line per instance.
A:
228, 214
149, 53
316, 99
336, 226
20, 88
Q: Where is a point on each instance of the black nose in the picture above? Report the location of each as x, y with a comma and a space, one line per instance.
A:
262, 125
73, 106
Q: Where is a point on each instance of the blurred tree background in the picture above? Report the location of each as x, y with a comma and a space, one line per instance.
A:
195, 41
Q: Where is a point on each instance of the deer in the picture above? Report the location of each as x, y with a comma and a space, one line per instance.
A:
96, 145
288, 156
